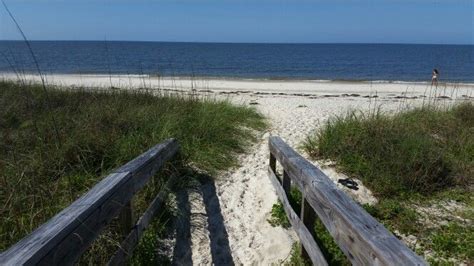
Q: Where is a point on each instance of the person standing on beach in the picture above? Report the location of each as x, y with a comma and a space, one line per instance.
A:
434, 77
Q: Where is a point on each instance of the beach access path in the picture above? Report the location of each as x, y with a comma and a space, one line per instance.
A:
235, 207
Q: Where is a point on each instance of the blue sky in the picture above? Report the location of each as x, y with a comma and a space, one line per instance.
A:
296, 21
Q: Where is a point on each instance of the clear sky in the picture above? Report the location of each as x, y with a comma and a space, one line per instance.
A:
296, 21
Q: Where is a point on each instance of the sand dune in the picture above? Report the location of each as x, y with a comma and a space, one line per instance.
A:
244, 195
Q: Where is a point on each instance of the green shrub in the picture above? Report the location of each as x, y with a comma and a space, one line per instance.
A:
295, 257
278, 216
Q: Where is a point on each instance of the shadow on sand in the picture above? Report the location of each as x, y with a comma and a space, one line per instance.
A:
209, 222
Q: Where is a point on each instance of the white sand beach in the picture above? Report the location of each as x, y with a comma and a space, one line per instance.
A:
305, 88
294, 109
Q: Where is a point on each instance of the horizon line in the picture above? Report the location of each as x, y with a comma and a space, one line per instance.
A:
224, 42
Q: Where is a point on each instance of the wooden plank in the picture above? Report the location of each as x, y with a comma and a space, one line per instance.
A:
165, 149
70, 248
35, 246
305, 236
148, 163
130, 242
72, 230
364, 240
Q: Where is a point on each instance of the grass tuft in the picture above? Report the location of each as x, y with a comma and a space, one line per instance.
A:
454, 239
423, 150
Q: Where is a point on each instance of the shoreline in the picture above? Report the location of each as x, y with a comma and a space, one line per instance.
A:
245, 79
302, 88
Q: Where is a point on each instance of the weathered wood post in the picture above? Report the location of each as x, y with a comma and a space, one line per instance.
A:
286, 183
126, 219
273, 165
272, 162
308, 216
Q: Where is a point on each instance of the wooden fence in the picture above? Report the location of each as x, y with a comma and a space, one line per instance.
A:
361, 238
62, 240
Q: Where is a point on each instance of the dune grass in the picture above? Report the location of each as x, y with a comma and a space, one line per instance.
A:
418, 151
57, 144
418, 158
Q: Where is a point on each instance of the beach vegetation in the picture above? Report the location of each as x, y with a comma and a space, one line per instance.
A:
295, 258
419, 163
56, 143
423, 151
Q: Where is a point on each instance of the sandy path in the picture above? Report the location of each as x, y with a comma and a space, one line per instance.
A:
246, 194
227, 218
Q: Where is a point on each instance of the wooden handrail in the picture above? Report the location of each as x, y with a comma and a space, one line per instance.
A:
67, 235
363, 240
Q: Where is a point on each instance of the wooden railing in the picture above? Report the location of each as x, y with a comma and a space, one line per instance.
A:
361, 238
62, 240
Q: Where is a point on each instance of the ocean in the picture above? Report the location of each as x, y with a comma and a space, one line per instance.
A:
346, 62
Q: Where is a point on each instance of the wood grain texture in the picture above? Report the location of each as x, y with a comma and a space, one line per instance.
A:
305, 236
362, 239
64, 237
